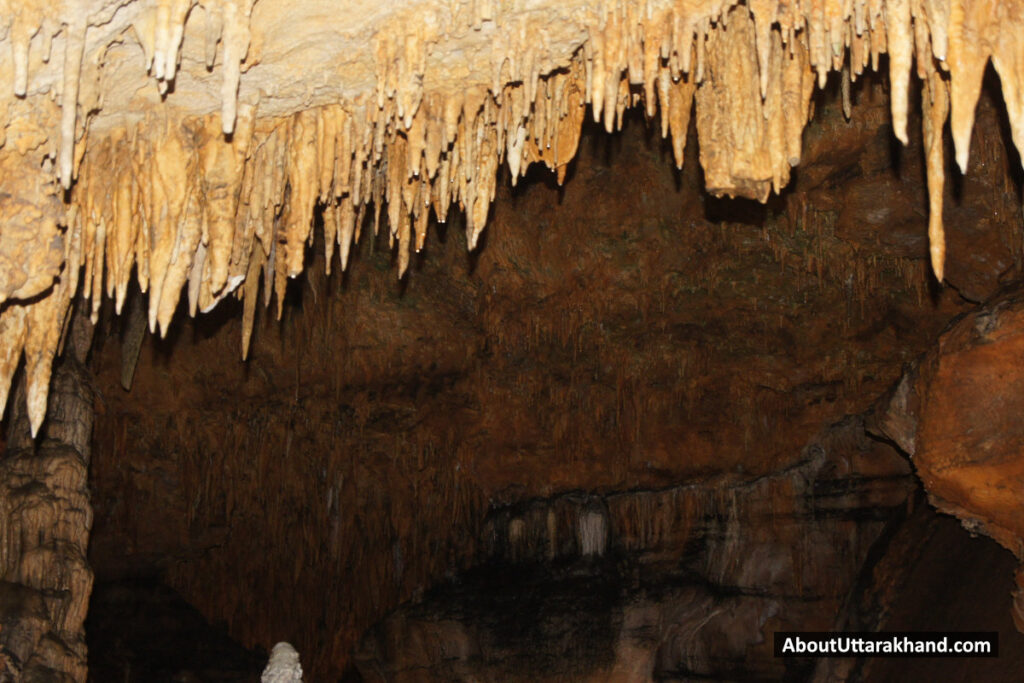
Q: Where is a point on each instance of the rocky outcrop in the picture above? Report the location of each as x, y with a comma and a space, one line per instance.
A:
958, 413
686, 582
45, 518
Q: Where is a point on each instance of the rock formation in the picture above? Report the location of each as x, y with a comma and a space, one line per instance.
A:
164, 157
45, 518
283, 666
179, 169
957, 414
694, 579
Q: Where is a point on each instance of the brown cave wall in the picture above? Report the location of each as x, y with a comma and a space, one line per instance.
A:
682, 583
623, 331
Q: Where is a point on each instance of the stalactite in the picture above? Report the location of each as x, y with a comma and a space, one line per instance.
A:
935, 104
166, 195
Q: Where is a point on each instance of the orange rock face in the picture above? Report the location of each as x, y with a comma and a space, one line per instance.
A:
970, 439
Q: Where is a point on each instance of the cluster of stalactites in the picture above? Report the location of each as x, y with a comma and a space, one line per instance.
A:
185, 208
33, 325
159, 28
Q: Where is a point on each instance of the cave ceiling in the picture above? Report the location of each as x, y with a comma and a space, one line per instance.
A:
188, 145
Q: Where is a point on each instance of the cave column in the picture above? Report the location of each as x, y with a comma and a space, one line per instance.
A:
45, 519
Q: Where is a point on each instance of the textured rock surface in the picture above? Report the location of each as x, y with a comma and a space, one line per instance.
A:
211, 152
691, 584
197, 141
969, 434
931, 574
45, 518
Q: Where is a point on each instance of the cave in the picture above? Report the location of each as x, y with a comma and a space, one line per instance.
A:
493, 340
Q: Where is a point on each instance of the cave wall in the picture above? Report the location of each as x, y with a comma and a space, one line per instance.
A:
681, 583
964, 436
622, 331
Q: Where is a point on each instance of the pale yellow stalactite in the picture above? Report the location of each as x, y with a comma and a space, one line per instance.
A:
937, 13
25, 24
214, 29
183, 251
797, 88
935, 106
1008, 60
680, 104
162, 32
195, 278
764, 12
235, 39
44, 324
326, 134
347, 222
74, 47
12, 340
125, 234
178, 14
222, 164
730, 122
422, 216
900, 40
249, 297
171, 170
969, 52
303, 179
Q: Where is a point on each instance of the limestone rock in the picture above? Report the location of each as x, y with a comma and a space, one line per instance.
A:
195, 145
969, 435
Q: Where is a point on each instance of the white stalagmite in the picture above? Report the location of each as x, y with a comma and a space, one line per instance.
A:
283, 666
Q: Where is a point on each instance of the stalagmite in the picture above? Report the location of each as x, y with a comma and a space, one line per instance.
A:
284, 666
45, 517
